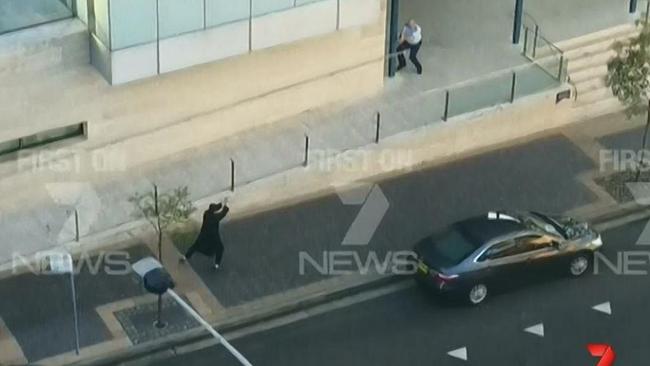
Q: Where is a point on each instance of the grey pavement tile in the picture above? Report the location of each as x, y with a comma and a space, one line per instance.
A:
115, 209
265, 154
37, 309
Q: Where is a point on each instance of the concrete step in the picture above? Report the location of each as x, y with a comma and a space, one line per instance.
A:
590, 84
620, 31
598, 108
591, 60
596, 72
50, 47
604, 45
592, 96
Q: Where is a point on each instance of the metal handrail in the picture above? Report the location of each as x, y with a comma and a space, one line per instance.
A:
529, 23
489, 76
539, 33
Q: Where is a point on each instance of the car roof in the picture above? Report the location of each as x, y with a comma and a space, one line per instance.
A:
490, 226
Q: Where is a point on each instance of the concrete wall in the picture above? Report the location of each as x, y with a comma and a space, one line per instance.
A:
201, 47
154, 117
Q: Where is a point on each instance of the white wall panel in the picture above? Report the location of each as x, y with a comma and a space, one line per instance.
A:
204, 46
355, 13
133, 63
295, 24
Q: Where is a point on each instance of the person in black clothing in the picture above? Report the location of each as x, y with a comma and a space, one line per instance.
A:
209, 241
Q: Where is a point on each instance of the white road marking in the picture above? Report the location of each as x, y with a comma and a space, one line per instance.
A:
460, 353
537, 329
605, 307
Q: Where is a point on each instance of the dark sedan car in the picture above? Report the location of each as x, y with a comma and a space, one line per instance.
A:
494, 250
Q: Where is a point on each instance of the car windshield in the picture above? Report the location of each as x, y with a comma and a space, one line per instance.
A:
448, 248
549, 225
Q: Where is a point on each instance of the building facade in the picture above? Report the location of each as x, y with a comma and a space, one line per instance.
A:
155, 77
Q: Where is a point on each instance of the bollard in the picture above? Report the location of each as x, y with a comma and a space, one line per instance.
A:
513, 86
232, 175
446, 113
76, 225
306, 161
377, 127
535, 40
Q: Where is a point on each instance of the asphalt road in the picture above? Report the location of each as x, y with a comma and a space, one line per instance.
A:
411, 327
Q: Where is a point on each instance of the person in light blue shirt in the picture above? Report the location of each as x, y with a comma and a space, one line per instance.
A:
411, 40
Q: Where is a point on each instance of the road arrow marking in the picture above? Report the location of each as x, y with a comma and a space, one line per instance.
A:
537, 329
644, 237
605, 307
460, 353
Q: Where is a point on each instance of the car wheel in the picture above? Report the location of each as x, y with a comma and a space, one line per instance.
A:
579, 265
477, 294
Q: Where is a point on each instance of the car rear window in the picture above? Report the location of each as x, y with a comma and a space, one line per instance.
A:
447, 249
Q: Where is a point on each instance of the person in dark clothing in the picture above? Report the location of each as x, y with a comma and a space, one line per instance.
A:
209, 241
410, 39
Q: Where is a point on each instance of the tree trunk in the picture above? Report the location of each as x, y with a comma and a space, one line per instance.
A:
643, 144
160, 245
155, 199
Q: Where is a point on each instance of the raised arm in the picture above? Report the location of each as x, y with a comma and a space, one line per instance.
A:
222, 213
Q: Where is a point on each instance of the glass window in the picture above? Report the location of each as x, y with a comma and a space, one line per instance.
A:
53, 135
9, 146
501, 250
531, 243
178, 17
18, 14
447, 248
226, 11
261, 7
101, 30
132, 22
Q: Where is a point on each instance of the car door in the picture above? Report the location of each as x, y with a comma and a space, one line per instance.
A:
500, 264
540, 254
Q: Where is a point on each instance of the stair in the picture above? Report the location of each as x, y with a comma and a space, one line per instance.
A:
587, 68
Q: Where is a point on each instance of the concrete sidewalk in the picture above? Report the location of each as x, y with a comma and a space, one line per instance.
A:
42, 217
552, 172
